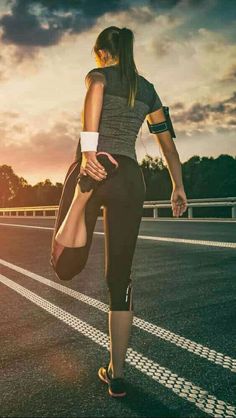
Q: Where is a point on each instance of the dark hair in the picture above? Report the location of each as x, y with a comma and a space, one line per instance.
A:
119, 43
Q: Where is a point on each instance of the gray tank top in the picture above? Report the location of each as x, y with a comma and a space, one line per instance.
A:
119, 124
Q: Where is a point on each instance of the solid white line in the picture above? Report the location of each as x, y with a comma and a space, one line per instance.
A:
221, 244
181, 387
191, 241
27, 226
198, 349
144, 218
229, 220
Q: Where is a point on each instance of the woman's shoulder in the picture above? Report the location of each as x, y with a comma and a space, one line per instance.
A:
97, 74
147, 83
99, 69
109, 76
146, 86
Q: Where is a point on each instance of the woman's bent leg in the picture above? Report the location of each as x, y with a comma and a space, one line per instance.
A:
75, 258
92, 211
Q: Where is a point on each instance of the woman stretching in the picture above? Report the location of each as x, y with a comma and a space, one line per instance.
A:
117, 102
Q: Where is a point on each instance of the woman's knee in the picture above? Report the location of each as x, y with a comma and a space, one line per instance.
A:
70, 263
120, 292
121, 299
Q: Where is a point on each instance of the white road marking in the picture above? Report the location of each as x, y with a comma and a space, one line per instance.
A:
208, 220
221, 244
144, 218
198, 349
27, 226
181, 387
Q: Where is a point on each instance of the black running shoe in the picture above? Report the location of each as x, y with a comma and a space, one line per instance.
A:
116, 385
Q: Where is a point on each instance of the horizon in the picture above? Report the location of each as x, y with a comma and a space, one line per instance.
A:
147, 156
189, 58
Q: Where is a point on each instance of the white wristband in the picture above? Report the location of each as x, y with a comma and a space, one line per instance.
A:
89, 140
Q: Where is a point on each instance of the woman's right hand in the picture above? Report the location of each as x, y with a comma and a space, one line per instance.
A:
91, 166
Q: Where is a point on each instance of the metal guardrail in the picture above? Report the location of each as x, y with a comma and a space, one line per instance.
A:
207, 202
154, 204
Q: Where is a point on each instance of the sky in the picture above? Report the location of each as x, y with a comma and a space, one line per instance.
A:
186, 48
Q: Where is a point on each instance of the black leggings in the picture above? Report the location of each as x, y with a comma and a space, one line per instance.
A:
122, 197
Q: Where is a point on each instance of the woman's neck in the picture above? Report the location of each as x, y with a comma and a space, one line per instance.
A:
108, 64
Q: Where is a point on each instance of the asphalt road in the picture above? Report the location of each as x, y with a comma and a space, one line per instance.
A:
54, 335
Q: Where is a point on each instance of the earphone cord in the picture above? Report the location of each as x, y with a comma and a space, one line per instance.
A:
140, 136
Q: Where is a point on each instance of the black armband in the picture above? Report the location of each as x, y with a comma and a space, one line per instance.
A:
156, 128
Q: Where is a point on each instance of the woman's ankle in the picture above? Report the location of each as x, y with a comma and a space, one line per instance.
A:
115, 374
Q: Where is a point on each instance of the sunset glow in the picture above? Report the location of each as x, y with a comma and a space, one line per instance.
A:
187, 51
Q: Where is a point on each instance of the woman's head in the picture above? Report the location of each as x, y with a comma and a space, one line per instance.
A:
106, 47
115, 46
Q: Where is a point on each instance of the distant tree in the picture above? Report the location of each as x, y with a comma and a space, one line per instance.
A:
202, 177
10, 183
156, 177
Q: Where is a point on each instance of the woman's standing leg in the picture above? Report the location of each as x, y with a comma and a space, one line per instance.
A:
122, 217
119, 320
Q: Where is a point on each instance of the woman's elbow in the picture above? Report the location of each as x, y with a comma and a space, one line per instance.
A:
166, 142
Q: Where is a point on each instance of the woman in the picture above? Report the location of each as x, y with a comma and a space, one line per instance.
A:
117, 102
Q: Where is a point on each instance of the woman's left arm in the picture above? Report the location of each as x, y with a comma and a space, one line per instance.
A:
178, 196
91, 114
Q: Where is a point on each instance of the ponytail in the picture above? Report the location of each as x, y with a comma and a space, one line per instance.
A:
127, 66
119, 43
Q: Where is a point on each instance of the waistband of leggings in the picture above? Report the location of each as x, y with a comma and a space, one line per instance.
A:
122, 157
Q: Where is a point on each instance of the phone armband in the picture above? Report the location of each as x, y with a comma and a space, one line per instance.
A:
166, 125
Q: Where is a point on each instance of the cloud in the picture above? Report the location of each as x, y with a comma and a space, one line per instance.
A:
231, 99
44, 153
206, 142
230, 74
20, 27
10, 114
29, 26
169, 4
41, 23
211, 114
191, 66
18, 60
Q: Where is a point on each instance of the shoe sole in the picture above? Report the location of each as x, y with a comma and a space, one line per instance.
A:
114, 395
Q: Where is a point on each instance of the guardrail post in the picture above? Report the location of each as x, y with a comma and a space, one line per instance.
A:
25, 213
44, 212
155, 212
233, 213
190, 212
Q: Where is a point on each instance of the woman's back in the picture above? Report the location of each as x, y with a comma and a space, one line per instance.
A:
119, 123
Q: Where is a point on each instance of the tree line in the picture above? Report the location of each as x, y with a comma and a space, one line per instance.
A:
203, 177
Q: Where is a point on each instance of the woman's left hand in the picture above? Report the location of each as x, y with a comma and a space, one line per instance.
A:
92, 167
178, 201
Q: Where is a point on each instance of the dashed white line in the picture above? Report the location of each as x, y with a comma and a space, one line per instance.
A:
183, 388
198, 349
